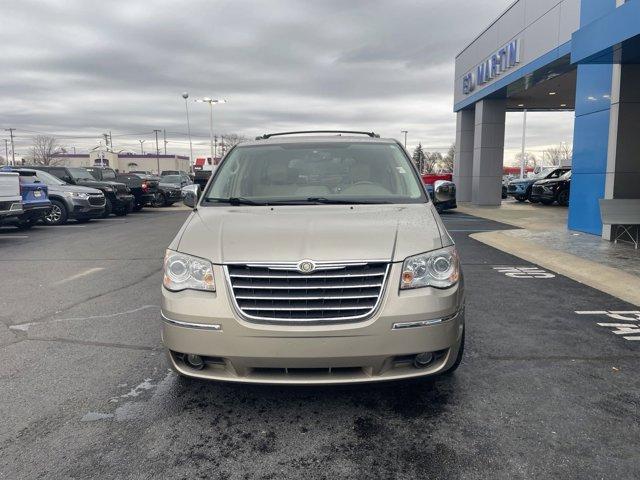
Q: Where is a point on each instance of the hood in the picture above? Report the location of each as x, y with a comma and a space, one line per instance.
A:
73, 188
522, 181
169, 185
317, 232
102, 184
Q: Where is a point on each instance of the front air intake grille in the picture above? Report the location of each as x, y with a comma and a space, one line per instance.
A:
95, 199
333, 292
538, 190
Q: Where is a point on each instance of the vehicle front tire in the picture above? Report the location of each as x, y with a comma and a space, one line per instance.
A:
58, 214
521, 198
108, 208
563, 198
159, 200
137, 207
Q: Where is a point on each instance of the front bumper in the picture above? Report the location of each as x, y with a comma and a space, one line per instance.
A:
122, 200
83, 208
370, 350
543, 193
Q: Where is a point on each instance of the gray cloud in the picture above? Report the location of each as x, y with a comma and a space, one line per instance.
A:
77, 68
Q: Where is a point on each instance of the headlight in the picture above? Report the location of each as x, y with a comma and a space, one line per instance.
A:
439, 269
183, 272
77, 194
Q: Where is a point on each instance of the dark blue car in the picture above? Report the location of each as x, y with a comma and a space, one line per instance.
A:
35, 198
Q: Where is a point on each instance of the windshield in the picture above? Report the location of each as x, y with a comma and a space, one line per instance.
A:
316, 173
171, 179
48, 179
80, 174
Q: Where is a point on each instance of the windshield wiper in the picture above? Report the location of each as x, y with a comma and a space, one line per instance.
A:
341, 201
234, 201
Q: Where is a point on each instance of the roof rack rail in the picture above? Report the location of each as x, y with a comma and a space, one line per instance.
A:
269, 135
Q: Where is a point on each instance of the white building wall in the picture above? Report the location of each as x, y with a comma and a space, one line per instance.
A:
541, 26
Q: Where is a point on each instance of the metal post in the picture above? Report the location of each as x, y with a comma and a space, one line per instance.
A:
13, 150
211, 130
141, 146
157, 151
523, 160
6, 150
185, 95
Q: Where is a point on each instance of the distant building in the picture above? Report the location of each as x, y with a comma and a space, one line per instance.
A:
124, 162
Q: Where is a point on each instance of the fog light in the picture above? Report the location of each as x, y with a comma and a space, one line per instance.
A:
195, 361
423, 360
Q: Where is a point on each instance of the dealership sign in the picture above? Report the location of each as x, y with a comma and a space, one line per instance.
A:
505, 58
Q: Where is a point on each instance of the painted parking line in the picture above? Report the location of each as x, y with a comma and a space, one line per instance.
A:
630, 330
10, 237
523, 272
89, 271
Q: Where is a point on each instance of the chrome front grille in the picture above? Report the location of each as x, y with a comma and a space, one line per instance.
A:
334, 292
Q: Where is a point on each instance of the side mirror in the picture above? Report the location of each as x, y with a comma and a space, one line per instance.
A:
190, 195
443, 190
67, 179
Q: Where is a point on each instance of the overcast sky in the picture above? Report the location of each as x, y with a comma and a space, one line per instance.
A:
77, 68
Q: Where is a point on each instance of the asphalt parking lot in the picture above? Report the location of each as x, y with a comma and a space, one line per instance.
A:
543, 391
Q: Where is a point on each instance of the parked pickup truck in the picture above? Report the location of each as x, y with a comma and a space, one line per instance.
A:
143, 189
118, 198
10, 198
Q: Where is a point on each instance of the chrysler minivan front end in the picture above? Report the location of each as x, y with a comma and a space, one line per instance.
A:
313, 260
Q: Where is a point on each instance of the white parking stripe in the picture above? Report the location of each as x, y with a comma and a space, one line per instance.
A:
13, 236
79, 275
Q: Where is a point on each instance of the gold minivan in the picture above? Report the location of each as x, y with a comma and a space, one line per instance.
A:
313, 259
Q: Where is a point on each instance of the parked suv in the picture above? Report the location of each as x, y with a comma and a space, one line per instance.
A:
118, 198
520, 188
143, 189
35, 200
313, 259
70, 201
553, 190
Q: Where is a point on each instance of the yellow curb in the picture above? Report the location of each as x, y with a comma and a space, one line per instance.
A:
613, 281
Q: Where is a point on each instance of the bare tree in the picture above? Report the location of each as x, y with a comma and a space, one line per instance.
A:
447, 160
432, 161
556, 156
230, 140
44, 150
530, 159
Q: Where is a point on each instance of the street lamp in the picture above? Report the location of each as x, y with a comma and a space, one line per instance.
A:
142, 146
185, 95
405, 137
211, 102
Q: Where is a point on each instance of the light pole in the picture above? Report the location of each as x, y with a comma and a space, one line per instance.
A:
13, 150
210, 101
523, 160
185, 95
141, 146
405, 137
156, 131
6, 150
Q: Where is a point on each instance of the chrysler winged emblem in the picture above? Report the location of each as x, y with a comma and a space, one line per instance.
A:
306, 266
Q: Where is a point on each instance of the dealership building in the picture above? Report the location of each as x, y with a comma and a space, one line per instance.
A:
552, 55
